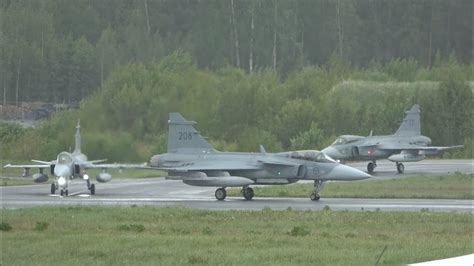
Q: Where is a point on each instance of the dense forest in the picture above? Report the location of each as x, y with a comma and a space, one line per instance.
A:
63, 50
288, 74
127, 118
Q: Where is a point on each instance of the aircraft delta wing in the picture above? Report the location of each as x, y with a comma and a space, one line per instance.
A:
69, 166
191, 159
86, 164
405, 145
224, 165
426, 149
40, 177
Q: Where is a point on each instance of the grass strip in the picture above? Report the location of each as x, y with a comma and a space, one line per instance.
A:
81, 235
457, 186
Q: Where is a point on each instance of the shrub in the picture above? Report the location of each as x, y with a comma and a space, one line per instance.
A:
5, 227
207, 231
195, 259
132, 227
298, 231
41, 226
325, 234
350, 235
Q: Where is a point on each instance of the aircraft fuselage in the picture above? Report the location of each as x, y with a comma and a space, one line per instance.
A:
278, 168
371, 148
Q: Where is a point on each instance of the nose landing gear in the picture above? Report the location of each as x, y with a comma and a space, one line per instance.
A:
318, 187
64, 192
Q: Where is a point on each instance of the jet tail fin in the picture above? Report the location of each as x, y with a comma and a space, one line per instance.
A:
77, 137
262, 150
182, 136
411, 124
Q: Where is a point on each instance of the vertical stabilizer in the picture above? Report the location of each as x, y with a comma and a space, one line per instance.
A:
262, 150
411, 124
77, 138
183, 137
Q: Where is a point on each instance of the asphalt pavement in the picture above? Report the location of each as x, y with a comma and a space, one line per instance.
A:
162, 192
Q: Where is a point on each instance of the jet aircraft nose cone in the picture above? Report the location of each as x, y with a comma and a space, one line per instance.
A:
62, 170
332, 152
344, 172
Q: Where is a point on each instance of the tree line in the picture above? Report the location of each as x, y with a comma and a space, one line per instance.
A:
64, 50
126, 120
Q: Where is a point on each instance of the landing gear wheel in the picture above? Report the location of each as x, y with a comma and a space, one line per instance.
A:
220, 194
400, 168
92, 189
53, 189
318, 187
66, 193
370, 167
314, 196
61, 193
248, 193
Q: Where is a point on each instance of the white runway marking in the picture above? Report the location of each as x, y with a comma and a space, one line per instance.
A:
77, 193
188, 192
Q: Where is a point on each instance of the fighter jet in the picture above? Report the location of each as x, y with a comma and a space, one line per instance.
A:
69, 166
406, 145
193, 160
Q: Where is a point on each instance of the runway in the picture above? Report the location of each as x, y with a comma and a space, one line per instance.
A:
161, 192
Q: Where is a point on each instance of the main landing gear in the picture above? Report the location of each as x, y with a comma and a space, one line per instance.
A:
90, 187
220, 193
247, 192
318, 187
400, 168
371, 166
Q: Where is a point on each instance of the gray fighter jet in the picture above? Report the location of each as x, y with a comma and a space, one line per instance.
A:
193, 160
69, 166
406, 145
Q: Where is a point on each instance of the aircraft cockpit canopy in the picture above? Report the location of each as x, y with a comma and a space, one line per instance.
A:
346, 139
64, 158
310, 155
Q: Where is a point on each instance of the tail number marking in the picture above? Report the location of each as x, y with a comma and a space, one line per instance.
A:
185, 135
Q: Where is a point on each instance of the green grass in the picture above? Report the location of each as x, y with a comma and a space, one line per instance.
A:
458, 186
5, 181
177, 236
